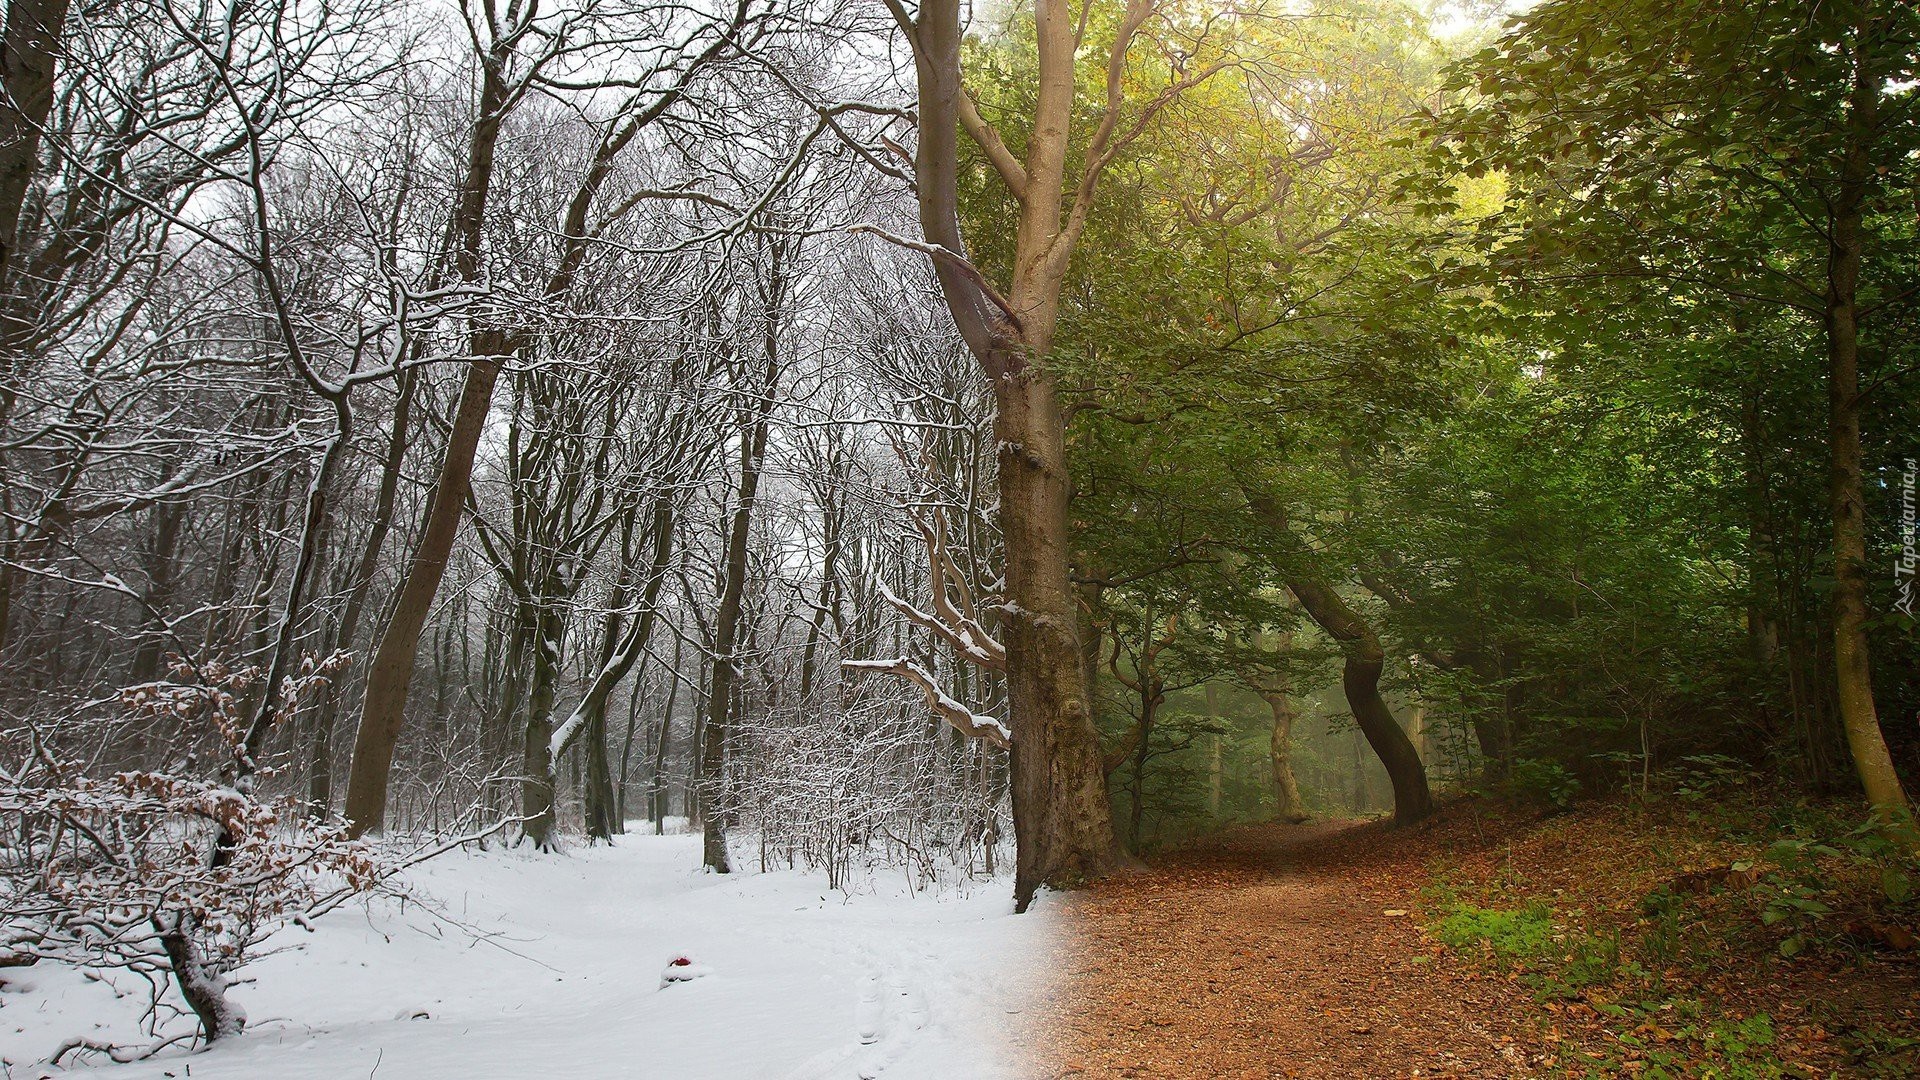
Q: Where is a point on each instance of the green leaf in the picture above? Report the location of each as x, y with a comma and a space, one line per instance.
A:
1896, 884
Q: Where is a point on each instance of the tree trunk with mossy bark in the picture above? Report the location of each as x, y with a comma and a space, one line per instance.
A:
1063, 823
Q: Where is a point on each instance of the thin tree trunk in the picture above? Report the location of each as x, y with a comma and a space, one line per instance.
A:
1357, 790
1150, 696
162, 549
1274, 687
713, 740
320, 752
657, 782
384, 702
604, 805
1288, 805
636, 704
503, 717
1851, 654
601, 802
1216, 765
829, 596
1360, 678
536, 752
620, 659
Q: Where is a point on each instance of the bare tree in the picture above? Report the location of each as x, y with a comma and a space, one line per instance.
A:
514, 48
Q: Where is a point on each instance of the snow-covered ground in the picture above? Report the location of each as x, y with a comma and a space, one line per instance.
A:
543, 966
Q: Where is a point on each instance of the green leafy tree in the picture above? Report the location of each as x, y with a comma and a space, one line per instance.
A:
1750, 161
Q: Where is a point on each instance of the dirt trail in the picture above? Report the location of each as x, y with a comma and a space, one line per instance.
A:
1269, 952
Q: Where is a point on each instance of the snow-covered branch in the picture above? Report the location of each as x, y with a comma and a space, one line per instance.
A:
963, 719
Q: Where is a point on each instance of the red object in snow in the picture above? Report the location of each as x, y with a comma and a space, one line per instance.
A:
681, 961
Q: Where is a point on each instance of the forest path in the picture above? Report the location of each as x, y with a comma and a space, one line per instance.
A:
1271, 951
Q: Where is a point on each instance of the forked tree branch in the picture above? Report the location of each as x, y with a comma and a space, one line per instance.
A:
962, 719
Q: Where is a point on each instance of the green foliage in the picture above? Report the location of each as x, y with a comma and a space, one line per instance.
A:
1687, 977
1668, 1040
1589, 960
1543, 781
1791, 889
1878, 1054
1803, 877
1650, 586
1508, 936
1528, 349
1709, 776
1556, 963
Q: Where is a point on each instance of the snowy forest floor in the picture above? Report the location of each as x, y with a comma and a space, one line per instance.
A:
517, 965
1488, 942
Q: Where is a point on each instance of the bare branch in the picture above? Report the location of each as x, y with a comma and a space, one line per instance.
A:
963, 719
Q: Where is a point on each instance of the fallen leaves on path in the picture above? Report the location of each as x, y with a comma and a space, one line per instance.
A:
1275, 951
1302, 951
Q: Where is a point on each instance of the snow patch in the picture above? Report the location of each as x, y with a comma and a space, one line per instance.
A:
527, 965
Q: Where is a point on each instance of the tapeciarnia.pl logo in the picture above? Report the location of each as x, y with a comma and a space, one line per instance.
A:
1905, 588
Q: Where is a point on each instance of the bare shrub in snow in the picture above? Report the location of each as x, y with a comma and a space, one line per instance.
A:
167, 876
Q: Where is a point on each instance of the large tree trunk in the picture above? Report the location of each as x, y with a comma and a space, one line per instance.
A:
384, 702
1062, 820
601, 804
27, 63
1852, 668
